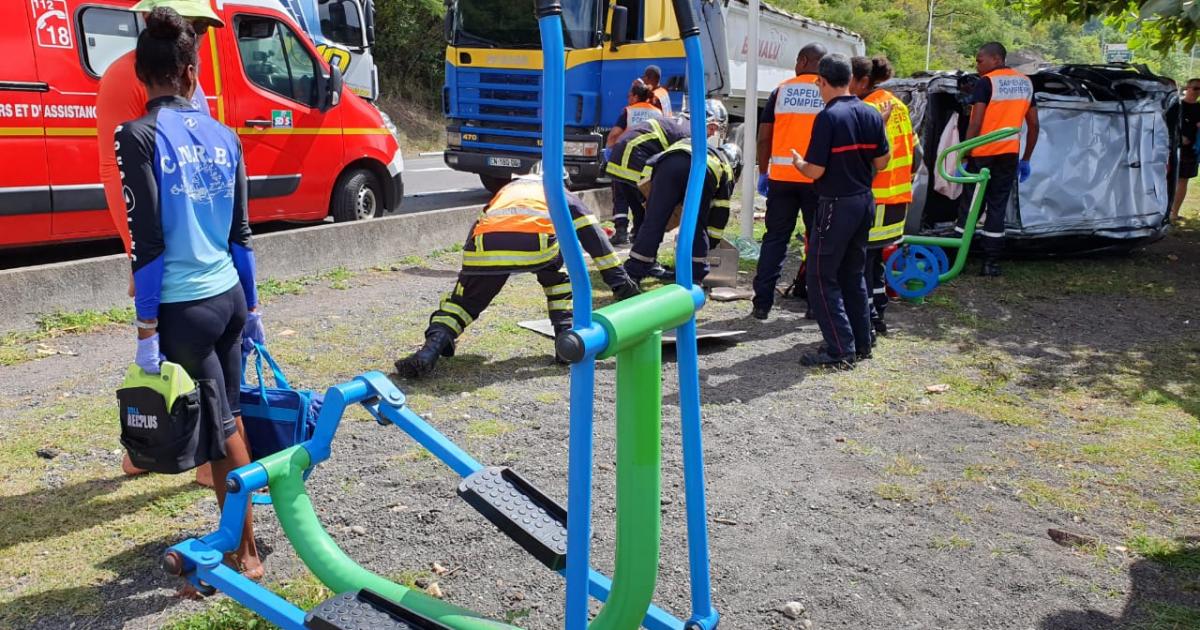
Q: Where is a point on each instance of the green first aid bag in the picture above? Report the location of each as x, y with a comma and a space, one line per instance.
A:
169, 422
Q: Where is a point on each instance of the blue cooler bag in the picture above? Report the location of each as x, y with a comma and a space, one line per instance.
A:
276, 417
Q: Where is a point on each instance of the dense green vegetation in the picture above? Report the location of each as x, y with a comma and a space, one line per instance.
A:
897, 28
411, 46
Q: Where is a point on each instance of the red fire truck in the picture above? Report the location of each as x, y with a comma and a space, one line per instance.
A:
313, 149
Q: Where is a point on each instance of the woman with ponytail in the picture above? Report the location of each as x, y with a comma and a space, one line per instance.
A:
185, 194
892, 186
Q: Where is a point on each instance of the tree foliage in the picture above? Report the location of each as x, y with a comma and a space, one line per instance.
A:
1163, 24
410, 49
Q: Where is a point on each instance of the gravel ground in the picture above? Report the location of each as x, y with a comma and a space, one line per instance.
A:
795, 467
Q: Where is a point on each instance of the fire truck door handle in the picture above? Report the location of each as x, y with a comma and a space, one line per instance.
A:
256, 122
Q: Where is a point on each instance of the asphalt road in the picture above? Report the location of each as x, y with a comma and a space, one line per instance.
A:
428, 185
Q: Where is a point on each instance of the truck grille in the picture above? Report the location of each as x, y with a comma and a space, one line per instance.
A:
499, 96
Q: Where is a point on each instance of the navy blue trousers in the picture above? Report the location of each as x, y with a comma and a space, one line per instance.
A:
785, 201
837, 286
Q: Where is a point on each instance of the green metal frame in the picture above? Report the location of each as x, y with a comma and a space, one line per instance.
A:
635, 328
980, 180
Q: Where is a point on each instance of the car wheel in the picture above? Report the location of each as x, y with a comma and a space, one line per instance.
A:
356, 197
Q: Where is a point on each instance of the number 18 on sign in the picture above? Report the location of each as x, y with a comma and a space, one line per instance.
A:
53, 25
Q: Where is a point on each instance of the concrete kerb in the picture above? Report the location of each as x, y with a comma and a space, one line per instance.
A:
101, 283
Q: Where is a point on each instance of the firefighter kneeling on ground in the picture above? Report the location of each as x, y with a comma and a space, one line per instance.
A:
514, 234
668, 185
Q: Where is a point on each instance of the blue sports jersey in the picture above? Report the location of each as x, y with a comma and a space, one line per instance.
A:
186, 198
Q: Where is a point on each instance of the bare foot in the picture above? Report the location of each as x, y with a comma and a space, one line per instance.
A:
204, 476
249, 566
129, 469
187, 591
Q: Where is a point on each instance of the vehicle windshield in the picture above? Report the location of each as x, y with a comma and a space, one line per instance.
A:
341, 22
513, 23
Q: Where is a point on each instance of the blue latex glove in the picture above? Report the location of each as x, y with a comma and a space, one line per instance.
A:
148, 356
607, 154
1024, 170
253, 331
762, 184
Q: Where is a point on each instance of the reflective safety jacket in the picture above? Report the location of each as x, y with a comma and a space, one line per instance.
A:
664, 100
640, 113
797, 103
514, 233
1012, 96
718, 189
892, 187
639, 144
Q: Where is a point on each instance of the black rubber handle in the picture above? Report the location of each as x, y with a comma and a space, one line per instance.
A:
546, 8
570, 347
685, 16
260, 122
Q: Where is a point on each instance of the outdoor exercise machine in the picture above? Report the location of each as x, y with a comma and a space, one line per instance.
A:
630, 331
919, 264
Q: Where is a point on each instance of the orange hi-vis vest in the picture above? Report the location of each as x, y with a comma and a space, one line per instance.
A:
893, 184
797, 103
519, 207
640, 113
664, 100
1012, 96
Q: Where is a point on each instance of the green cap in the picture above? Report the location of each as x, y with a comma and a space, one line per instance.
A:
191, 9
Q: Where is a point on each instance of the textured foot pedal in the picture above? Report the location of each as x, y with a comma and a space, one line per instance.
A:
366, 610
533, 520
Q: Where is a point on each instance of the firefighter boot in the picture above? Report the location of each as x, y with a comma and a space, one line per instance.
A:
438, 343
991, 268
620, 235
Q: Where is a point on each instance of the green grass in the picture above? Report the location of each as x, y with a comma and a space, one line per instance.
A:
226, 614
15, 347
1163, 616
903, 466
99, 524
1182, 555
895, 492
488, 429
271, 288
338, 277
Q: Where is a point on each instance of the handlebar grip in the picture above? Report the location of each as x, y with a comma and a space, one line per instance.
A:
546, 8
685, 16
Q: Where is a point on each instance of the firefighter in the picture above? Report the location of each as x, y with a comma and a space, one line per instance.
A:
652, 76
892, 187
1002, 98
626, 198
514, 234
848, 146
668, 185
626, 166
785, 125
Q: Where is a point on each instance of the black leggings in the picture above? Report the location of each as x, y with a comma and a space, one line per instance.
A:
205, 337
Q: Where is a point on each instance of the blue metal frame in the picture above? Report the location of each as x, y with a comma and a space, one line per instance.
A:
704, 615
386, 403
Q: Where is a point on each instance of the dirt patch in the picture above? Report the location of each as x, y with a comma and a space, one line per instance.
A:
873, 499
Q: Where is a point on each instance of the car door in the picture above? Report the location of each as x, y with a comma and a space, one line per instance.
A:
24, 183
292, 150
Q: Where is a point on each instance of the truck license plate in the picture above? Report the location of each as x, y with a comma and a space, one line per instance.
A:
502, 161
